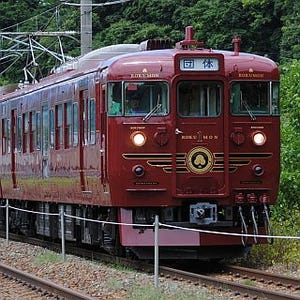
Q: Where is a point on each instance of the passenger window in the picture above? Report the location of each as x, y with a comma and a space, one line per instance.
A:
275, 99
68, 124
32, 130
92, 122
58, 126
51, 128
75, 123
38, 130
5, 136
45, 129
115, 99
25, 132
19, 134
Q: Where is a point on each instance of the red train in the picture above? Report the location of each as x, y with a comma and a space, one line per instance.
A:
128, 132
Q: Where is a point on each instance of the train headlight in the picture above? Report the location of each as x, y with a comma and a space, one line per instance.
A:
259, 138
138, 138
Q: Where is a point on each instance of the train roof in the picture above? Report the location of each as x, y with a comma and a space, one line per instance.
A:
164, 60
123, 58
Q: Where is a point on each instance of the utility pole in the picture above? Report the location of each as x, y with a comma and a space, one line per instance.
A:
86, 26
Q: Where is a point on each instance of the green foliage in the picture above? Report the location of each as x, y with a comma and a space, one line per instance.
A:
289, 44
282, 252
48, 257
286, 214
3, 81
290, 139
266, 27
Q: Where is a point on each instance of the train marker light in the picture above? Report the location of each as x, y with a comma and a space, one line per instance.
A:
258, 170
138, 170
259, 138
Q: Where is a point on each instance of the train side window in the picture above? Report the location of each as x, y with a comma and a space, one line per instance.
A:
114, 99
199, 98
5, 136
8, 135
32, 130
68, 124
275, 99
51, 127
58, 126
92, 122
19, 134
25, 126
75, 123
38, 131
45, 130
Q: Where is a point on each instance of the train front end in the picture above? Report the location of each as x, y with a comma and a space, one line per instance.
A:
194, 140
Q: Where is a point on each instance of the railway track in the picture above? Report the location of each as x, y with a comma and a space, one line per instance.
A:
262, 276
264, 290
240, 281
16, 284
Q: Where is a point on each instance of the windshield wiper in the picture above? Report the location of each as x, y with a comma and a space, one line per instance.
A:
152, 111
245, 103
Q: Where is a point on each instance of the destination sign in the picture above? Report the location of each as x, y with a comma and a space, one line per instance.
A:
199, 64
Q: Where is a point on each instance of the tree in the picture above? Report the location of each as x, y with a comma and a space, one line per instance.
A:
290, 136
290, 42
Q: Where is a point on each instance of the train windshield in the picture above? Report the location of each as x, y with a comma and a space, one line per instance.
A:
140, 98
254, 98
199, 98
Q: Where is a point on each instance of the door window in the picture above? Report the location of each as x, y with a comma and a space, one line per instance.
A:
199, 98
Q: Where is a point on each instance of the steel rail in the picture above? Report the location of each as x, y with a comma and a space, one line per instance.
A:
276, 278
45, 285
224, 284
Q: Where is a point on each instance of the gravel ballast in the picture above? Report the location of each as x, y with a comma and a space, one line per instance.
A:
97, 279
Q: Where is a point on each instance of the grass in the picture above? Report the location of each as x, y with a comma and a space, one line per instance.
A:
149, 292
48, 257
249, 282
283, 252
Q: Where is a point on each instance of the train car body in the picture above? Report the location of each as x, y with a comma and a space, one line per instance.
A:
132, 131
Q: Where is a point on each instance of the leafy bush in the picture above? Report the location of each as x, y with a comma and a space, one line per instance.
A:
286, 214
282, 252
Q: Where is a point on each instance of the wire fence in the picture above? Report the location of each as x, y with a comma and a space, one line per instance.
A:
157, 226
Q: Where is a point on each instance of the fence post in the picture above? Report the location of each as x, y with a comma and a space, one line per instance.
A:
7, 220
156, 250
62, 229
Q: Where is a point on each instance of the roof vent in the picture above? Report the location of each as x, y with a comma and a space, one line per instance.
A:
155, 44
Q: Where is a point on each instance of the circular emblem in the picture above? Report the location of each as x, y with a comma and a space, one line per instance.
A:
199, 160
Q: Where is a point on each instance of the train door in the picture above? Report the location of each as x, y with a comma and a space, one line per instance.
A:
101, 108
45, 141
200, 151
13, 146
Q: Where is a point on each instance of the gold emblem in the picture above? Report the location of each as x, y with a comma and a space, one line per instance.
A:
199, 160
